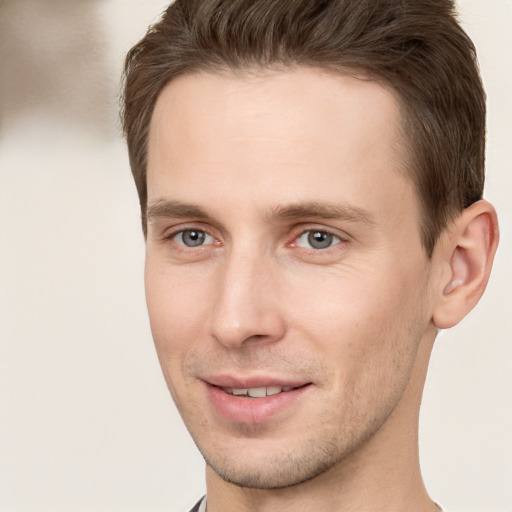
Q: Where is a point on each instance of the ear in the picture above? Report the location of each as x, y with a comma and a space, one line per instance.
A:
467, 251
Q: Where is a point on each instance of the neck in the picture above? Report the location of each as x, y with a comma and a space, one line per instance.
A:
383, 474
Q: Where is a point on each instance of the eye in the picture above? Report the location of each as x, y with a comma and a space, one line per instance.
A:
316, 239
193, 238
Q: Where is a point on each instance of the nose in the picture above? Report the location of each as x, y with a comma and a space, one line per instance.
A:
246, 306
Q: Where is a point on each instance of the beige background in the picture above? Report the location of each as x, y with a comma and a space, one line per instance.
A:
86, 423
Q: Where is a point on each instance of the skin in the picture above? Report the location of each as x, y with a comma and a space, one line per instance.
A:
256, 162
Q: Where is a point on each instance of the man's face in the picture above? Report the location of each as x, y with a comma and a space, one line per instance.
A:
284, 258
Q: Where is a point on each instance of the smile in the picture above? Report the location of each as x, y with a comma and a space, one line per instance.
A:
250, 405
260, 392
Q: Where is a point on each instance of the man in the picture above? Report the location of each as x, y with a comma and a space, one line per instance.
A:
310, 176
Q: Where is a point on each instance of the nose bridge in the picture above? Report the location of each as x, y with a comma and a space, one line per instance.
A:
245, 306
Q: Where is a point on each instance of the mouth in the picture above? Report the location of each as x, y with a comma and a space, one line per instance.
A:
259, 392
255, 402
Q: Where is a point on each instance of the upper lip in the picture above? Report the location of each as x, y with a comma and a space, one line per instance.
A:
249, 382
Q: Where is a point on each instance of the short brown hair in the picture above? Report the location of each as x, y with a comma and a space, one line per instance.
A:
416, 47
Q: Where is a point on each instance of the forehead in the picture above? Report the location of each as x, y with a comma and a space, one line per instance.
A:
304, 132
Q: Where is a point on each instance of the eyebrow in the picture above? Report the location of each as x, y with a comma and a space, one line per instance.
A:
295, 211
322, 210
162, 209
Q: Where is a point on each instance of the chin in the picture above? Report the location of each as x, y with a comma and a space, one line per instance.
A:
274, 470
270, 478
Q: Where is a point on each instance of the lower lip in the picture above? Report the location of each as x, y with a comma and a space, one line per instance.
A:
252, 410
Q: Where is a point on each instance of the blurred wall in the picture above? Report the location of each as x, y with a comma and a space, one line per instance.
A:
86, 422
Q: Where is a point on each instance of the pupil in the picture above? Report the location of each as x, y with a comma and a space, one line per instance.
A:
319, 239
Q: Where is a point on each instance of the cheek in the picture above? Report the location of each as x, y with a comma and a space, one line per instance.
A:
174, 314
175, 306
362, 320
368, 333
352, 301
174, 296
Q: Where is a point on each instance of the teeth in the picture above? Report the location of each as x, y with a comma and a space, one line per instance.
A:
258, 392
274, 390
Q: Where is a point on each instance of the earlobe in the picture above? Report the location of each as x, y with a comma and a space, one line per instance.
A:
468, 251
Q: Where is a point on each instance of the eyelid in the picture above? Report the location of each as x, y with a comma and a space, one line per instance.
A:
171, 231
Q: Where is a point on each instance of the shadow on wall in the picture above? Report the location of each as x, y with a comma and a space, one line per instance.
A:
54, 68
